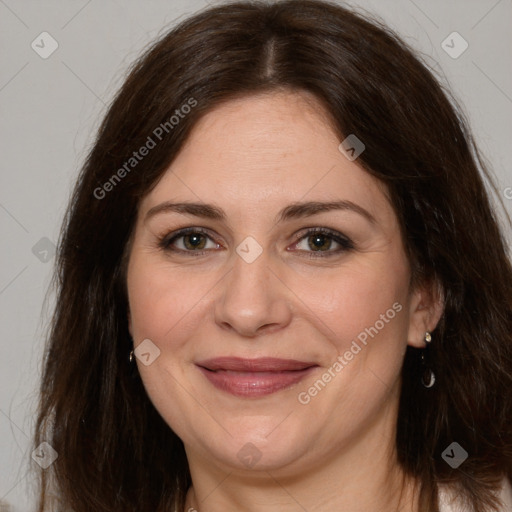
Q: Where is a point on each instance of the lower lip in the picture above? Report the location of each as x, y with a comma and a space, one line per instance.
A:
254, 384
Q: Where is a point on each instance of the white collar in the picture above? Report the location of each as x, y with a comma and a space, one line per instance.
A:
448, 500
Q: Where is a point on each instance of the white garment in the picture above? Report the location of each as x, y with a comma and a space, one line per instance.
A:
448, 499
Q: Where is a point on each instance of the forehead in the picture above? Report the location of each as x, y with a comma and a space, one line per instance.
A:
263, 151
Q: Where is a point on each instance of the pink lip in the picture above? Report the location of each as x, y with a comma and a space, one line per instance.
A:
254, 377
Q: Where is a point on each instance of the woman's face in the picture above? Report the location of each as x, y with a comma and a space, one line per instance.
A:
269, 344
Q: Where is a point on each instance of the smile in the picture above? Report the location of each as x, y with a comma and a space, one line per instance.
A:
254, 377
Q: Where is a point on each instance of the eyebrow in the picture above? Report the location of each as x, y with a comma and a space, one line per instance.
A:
290, 212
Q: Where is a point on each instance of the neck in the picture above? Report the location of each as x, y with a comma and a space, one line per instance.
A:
361, 475
331, 489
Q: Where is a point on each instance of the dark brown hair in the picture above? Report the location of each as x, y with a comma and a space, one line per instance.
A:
115, 451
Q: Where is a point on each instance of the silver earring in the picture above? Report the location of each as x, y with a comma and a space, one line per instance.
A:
428, 377
131, 356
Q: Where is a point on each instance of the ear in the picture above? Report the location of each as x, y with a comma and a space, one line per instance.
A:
426, 309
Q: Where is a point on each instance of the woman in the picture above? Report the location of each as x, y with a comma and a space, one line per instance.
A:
281, 284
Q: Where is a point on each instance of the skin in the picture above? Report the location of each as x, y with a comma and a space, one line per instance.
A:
252, 157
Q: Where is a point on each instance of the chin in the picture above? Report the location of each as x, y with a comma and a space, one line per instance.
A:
256, 443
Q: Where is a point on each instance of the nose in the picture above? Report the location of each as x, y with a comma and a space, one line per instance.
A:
253, 299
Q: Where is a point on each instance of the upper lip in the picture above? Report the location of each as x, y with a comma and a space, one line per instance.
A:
262, 364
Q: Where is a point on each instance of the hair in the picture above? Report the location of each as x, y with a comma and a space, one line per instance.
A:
116, 453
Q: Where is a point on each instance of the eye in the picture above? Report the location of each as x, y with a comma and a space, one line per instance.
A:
188, 240
319, 243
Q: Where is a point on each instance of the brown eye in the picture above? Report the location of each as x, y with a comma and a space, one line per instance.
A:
319, 243
191, 240
194, 241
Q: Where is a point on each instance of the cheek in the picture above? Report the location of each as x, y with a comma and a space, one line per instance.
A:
162, 298
354, 299
364, 307
363, 311
165, 303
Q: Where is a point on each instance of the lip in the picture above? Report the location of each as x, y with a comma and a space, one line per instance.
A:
254, 377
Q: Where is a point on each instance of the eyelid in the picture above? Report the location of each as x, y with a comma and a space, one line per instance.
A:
165, 241
339, 238
322, 230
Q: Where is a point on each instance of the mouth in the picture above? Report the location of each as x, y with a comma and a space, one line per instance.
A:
254, 377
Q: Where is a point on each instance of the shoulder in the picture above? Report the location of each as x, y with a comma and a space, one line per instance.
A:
448, 499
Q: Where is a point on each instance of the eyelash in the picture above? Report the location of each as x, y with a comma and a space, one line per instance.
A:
165, 242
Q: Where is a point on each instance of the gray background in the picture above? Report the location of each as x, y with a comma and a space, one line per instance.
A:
50, 109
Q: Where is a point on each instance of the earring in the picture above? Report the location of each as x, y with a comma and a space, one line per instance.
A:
131, 356
428, 377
